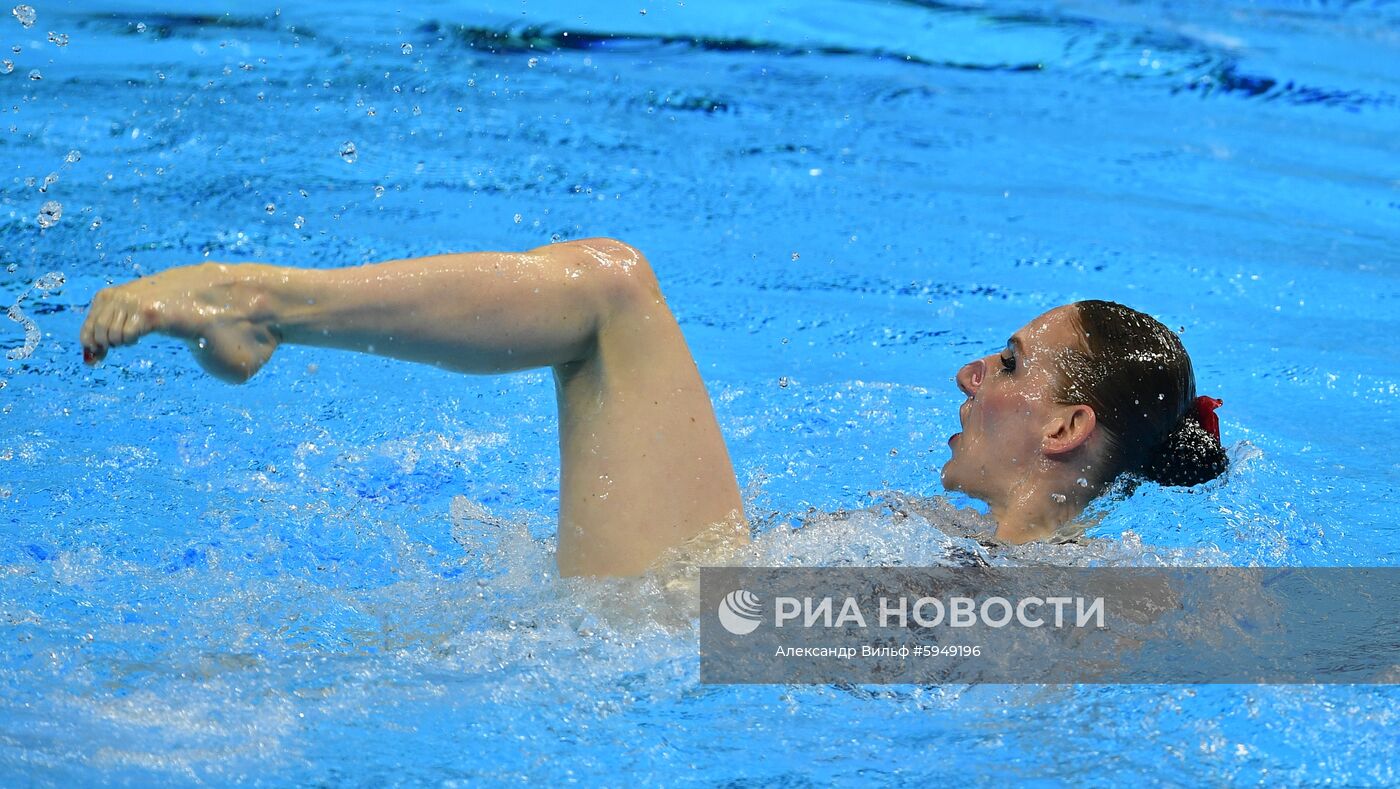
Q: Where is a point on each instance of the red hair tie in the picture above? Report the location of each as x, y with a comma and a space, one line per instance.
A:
1205, 414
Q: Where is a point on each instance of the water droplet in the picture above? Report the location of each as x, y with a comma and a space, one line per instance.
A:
74, 156
140, 27
299, 222
1058, 498
271, 208
518, 218
406, 48
6, 66
370, 112
49, 180
532, 62
795, 256
348, 152
203, 343
50, 281
1081, 482
31, 331
25, 14
35, 75
1161, 396
96, 223
643, 12
783, 382
59, 39
50, 213
378, 192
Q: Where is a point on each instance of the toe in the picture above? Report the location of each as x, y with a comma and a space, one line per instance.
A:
115, 322
85, 336
88, 334
130, 330
103, 332
95, 328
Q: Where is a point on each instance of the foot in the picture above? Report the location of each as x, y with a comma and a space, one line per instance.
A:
222, 311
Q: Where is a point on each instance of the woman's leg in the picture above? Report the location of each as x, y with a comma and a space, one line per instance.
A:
644, 465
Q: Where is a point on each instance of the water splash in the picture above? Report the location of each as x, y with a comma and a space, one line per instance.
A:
50, 281
25, 14
49, 214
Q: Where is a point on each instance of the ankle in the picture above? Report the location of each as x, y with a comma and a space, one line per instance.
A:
284, 299
255, 292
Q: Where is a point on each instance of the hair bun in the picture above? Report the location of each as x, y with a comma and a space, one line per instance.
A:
1189, 455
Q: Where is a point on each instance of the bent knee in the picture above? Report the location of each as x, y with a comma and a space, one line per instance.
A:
620, 268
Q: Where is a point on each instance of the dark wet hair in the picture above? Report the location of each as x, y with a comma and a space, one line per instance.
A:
1136, 375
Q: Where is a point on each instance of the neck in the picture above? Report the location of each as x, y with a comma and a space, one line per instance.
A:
1038, 508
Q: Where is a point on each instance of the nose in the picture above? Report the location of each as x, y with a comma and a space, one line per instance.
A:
970, 376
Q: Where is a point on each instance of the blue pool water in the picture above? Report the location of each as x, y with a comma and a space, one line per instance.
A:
342, 572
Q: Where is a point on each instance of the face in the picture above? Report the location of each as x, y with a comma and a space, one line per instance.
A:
1009, 409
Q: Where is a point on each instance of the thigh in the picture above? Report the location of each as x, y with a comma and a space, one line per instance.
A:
644, 466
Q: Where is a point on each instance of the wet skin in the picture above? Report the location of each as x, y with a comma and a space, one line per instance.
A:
1030, 458
644, 470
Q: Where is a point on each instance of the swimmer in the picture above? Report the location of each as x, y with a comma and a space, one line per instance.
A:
1080, 396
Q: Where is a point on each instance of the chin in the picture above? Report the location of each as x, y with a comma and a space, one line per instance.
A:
949, 481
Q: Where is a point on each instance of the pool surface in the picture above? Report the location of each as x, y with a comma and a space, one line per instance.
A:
342, 572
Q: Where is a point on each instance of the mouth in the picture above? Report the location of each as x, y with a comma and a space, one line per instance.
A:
962, 420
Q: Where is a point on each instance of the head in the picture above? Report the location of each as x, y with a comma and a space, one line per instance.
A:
1079, 396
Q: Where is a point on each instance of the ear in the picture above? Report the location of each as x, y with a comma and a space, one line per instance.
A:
1069, 429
